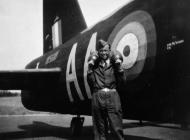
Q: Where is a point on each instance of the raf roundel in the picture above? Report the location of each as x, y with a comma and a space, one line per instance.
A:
132, 37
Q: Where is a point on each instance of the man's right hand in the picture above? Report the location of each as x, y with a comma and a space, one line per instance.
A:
92, 59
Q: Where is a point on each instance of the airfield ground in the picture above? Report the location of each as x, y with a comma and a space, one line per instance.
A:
16, 122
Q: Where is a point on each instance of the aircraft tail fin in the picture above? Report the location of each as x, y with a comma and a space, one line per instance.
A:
62, 19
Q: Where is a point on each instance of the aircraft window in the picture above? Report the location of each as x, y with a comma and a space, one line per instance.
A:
56, 32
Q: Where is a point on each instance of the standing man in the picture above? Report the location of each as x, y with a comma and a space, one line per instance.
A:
104, 75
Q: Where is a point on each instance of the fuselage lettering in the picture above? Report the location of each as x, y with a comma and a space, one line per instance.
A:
71, 77
91, 47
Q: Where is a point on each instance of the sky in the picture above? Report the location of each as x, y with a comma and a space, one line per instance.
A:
21, 29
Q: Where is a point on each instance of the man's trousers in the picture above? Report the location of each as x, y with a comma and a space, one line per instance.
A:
106, 107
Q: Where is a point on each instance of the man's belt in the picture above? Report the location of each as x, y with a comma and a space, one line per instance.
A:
107, 89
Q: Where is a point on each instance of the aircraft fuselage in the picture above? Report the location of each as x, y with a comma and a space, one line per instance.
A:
155, 50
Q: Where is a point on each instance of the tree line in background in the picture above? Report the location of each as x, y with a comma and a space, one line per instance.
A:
9, 93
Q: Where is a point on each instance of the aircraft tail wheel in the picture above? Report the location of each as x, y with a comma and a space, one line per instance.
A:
76, 125
140, 122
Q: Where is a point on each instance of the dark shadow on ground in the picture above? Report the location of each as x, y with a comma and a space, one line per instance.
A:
154, 124
42, 130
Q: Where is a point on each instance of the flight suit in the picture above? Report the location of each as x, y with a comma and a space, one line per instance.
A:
106, 105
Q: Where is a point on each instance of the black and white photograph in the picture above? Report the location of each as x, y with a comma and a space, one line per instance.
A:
94, 69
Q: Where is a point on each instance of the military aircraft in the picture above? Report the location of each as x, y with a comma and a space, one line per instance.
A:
153, 38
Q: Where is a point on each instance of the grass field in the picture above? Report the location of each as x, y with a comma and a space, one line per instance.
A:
13, 106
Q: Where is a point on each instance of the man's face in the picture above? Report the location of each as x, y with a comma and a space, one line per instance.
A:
104, 52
